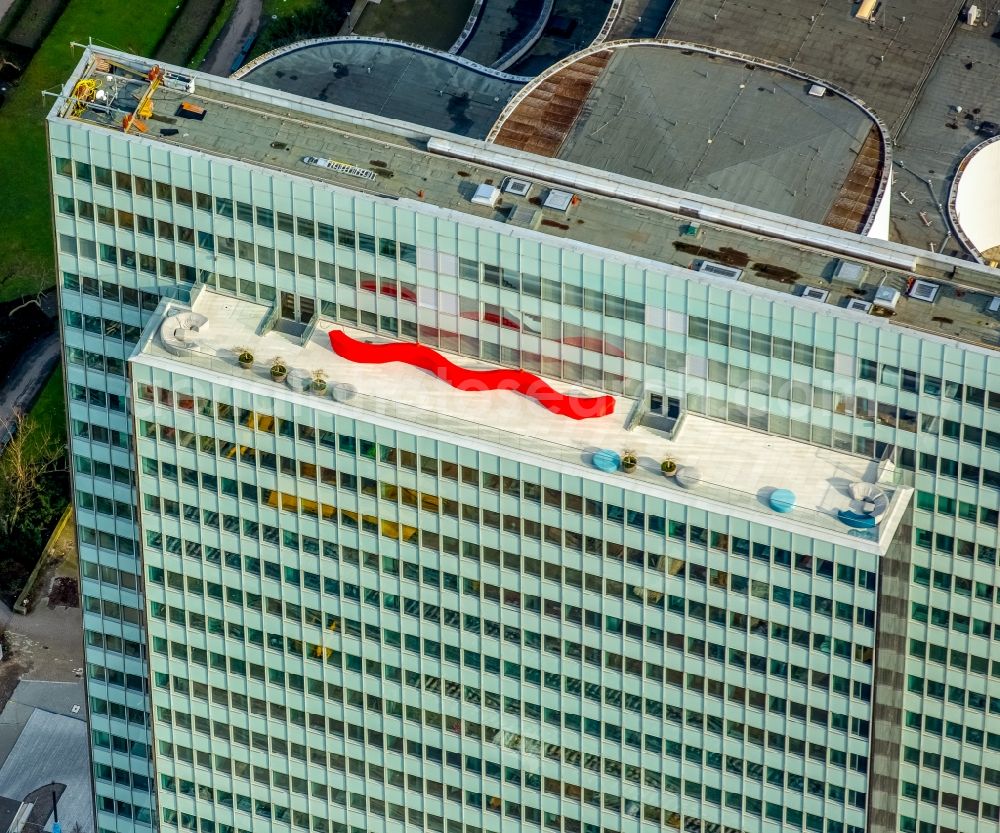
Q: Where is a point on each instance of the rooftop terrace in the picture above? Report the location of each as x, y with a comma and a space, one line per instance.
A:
433, 171
738, 468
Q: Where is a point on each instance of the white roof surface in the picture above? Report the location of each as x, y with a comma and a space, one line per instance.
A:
737, 466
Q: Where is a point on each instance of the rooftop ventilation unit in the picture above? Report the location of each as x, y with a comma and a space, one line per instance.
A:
524, 216
486, 195
859, 305
817, 90
886, 297
190, 110
924, 291
849, 272
515, 186
710, 267
559, 200
814, 293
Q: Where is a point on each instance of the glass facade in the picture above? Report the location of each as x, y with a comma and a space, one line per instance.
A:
425, 611
301, 620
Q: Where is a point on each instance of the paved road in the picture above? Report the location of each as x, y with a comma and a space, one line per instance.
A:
347, 27
26, 380
47, 643
492, 36
243, 23
5, 6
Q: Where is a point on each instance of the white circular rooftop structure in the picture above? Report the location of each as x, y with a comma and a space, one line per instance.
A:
974, 205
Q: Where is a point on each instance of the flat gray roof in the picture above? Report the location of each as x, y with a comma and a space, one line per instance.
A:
639, 18
29, 695
883, 62
393, 80
937, 138
246, 123
52, 747
719, 127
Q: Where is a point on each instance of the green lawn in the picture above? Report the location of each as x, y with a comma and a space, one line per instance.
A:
284, 8
49, 411
191, 24
287, 21
26, 257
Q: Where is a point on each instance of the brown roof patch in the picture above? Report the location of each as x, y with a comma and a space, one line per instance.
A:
854, 201
546, 115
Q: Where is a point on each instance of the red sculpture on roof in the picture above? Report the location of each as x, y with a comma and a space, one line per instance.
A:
528, 384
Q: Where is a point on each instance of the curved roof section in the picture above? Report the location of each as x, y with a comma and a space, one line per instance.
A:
723, 125
390, 79
972, 203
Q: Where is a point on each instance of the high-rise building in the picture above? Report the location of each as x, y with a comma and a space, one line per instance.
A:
711, 546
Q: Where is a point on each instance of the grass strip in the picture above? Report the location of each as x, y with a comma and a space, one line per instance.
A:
26, 258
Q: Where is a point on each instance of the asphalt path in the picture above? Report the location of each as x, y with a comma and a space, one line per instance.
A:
26, 380
243, 23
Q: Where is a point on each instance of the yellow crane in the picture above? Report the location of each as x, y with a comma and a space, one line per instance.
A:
144, 109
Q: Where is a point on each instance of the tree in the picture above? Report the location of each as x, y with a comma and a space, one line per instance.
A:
19, 275
34, 488
31, 454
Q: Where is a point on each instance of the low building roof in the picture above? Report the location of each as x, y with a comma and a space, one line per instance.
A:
884, 60
702, 121
52, 748
390, 79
